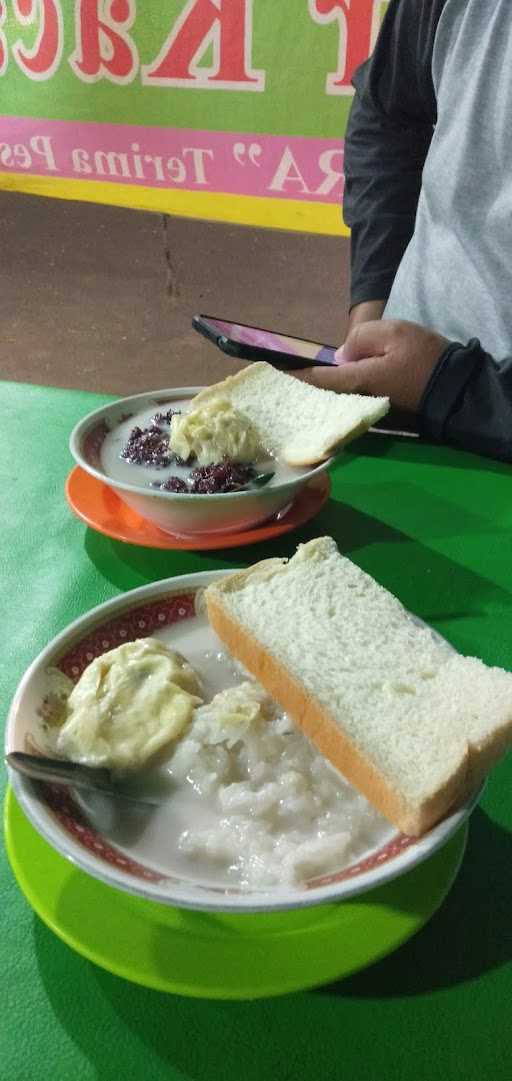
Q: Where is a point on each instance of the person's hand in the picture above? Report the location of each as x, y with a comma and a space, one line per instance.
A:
386, 358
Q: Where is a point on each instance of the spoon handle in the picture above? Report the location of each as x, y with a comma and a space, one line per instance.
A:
91, 778
57, 771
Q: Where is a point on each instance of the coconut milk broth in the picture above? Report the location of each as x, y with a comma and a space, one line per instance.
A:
117, 469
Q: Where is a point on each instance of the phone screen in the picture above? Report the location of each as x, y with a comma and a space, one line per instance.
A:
273, 341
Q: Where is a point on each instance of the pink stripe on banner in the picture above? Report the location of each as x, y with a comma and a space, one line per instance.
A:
259, 165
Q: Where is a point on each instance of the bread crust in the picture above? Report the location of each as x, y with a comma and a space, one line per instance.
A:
316, 722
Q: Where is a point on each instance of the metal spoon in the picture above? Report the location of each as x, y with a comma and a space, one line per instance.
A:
74, 774
262, 479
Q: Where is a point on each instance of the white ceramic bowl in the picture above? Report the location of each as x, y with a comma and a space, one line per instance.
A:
174, 512
137, 860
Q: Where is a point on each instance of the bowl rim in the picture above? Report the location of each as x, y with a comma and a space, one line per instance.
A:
255, 901
173, 393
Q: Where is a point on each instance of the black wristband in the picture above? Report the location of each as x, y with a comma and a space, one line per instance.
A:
446, 386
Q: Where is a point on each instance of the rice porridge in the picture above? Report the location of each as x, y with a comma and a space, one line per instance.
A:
278, 811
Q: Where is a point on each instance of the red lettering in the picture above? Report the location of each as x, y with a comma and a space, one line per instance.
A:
42, 60
355, 19
3, 42
104, 49
226, 25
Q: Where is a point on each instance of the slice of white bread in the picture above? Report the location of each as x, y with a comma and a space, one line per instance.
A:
300, 424
408, 721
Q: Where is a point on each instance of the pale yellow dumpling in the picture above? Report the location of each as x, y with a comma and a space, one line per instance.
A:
215, 431
128, 704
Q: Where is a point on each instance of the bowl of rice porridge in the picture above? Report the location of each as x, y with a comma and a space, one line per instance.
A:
238, 811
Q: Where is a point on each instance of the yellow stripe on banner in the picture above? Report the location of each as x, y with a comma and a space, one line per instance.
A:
292, 214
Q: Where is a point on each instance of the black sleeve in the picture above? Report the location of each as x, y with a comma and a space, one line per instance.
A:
388, 136
468, 401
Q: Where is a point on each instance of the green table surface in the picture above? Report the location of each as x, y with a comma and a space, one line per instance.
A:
434, 526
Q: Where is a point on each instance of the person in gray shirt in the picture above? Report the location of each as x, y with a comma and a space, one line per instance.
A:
428, 197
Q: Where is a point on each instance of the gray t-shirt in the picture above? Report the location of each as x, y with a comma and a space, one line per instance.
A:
456, 271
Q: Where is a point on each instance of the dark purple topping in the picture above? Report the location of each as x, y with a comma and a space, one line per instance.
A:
174, 484
165, 418
148, 446
223, 476
210, 479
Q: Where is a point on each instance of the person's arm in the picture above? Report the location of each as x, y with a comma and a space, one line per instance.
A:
387, 140
364, 312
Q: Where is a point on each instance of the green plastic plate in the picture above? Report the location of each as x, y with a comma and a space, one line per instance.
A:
222, 956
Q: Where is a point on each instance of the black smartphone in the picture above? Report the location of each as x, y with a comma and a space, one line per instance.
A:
255, 343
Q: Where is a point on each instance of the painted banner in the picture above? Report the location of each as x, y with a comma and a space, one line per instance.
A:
226, 110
